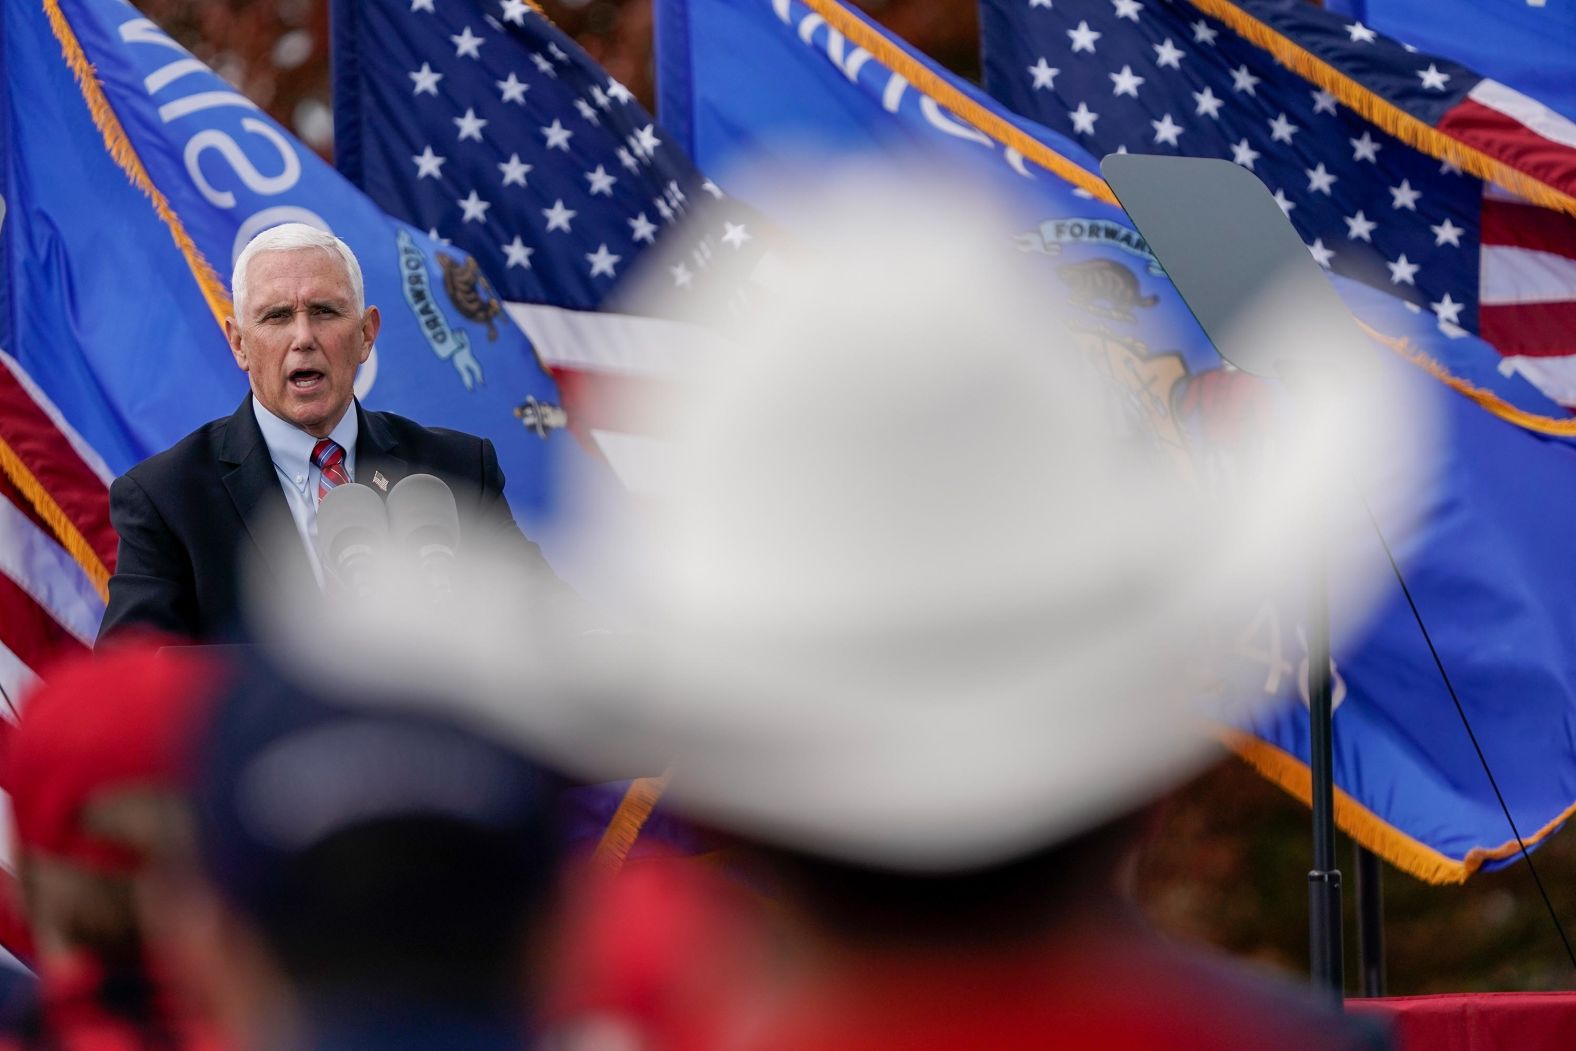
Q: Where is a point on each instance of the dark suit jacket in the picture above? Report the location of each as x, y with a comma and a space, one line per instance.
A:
187, 515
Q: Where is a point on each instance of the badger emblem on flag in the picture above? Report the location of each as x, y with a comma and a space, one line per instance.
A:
469, 293
1104, 287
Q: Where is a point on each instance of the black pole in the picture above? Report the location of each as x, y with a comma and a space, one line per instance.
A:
1370, 921
1324, 881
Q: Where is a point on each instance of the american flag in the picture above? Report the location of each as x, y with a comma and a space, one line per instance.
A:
1162, 76
486, 125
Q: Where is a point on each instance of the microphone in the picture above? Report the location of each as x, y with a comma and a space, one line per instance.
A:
352, 529
423, 520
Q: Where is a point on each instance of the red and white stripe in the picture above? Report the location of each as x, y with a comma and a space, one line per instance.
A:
1527, 291
1527, 273
1518, 131
49, 605
607, 366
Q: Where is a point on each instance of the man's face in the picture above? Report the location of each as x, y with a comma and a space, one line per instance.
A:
301, 340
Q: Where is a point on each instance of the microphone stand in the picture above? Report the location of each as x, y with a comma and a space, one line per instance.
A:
1324, 880
1325, 957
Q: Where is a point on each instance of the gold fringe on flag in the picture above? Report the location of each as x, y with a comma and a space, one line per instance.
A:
1493, 403
1391, 118
1372, 831
640, 799
65, 530
125, 154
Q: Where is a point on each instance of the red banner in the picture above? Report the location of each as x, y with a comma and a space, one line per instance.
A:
1478, 1021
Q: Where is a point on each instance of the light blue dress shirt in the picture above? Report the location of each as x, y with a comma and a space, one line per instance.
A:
290, 448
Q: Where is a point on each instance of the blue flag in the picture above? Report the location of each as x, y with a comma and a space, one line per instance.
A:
134, 175
1488, 566
1527, 45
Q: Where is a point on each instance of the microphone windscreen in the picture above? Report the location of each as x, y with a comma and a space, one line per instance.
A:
349, 514
422, 507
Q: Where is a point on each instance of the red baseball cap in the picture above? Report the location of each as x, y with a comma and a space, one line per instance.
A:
122, 718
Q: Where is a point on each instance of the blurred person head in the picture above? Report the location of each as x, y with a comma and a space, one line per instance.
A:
932, 609
300, 328
96, 769
929, 584
361, 863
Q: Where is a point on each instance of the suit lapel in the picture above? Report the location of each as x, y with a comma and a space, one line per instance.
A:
378, 462
253, 484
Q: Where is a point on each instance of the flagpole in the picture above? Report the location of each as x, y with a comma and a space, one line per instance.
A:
1324, 881
1370, 922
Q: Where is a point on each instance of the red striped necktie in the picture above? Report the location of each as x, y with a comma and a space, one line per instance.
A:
329, 458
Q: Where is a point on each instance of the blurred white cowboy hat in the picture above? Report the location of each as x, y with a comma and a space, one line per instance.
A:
928, 586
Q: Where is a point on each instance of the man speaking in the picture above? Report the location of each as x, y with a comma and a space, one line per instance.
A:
300, 329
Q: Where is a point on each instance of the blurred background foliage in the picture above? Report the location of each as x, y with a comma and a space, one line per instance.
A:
277, 52
1228, 867
1228, 862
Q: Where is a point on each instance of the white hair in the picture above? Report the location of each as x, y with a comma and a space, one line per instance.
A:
292, 237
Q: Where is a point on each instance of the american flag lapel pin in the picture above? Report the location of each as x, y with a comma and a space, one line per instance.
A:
381, 482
